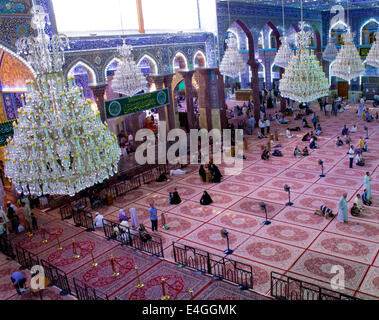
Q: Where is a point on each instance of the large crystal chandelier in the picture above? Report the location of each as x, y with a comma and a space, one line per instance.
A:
348, 65
303, 79
60, 145
330, 52
284, 54
232, 63
128, 78
373, 56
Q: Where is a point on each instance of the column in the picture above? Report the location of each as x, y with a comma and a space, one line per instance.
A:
283, 102
221, 97
254, 65
98, 92
204, 99
172, 116
187, 75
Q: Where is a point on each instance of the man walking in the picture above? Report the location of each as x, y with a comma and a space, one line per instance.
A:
153, 217
351, 155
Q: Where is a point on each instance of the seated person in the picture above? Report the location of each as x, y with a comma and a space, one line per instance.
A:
359, 161
345, 130
312, 144
365, 200
143, 234
365, 146
305, 123
283, 121
339, 142
265, 154
215, 173
305, 151
369, 117
297, 152
98, 221
288, 133
277, 153
318, 130
306, 137
347, 139
355, 210
354, 128
174, 197
122, 216
273, 145
358, 202
313, 136
206, 199
202, 173
298, 116
161, 178
294, 129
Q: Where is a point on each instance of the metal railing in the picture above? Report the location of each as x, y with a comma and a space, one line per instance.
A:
67, 210
288, 288
86, 292
57, 277
6, 247
83, 218
218, 266
25, 258
130, 237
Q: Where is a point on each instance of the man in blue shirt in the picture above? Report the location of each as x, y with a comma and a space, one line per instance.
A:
153, 217
365, 199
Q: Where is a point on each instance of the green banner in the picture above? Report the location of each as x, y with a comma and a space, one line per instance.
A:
6, 131
363, 51
141, 102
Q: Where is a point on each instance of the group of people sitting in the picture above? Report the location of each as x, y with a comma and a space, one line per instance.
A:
298, 153
210, 173
360, 202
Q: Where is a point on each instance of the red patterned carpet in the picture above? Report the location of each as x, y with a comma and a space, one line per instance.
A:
297, 243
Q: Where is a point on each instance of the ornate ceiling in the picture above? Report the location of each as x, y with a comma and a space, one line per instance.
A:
314, 4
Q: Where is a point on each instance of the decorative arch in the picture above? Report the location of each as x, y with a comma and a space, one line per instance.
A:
363, 25
200, 57
92, 78
107, 66
153, 64
181, 60
337, 24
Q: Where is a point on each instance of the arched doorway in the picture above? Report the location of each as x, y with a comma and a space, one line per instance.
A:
85, 77
199, 60
367, 32
179, 62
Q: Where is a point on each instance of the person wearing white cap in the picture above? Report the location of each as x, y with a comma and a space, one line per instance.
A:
98, 221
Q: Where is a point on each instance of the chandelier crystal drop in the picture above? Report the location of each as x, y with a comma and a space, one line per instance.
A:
372, 58
128, 78
348, 65
284, 54
330, 52
60, 145
303, 79
232, 63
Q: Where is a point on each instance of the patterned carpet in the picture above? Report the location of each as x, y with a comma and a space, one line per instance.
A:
297, 243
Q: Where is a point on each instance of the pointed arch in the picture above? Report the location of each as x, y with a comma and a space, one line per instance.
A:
182, 61
110, 62
153, 64
26, 63
92, 78
201, 53
363, 25
338, 23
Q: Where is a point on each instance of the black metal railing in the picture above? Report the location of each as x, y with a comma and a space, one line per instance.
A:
83, 218
86, 292
218, 266
75, 203
131, 237
288, 288
6, 247
25, 258
57, 277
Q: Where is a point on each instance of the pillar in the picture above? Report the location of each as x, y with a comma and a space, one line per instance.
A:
221, 97
283, 102
98, 92
254, 65
172, 115
187, 75
205, 121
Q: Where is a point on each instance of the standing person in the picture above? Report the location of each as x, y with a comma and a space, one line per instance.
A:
134, 218
367, 184
334, 108
11, 215
314, 120
98, 221
18, 280
351, 156
342, 209
261, 124
26, 212
267, 125
153, 212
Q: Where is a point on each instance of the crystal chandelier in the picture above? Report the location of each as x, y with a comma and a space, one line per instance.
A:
303, 79
232, 63
284, 54
348, 65
128, 78
330, 51
60, 146
373, 56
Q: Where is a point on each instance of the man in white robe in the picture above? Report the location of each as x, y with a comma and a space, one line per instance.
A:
367, 184
98, 221
342, 209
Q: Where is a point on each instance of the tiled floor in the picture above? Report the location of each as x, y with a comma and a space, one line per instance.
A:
297, 242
